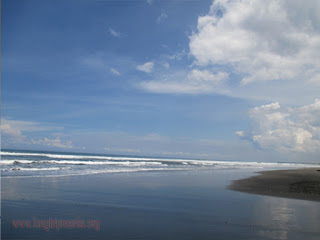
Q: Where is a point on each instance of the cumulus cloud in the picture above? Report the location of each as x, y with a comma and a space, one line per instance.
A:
57, 142
146, 67
195, 82
286, 129
12, 133
240, 133
16, 132
264, 40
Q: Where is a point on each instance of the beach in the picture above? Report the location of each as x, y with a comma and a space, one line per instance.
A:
153, 205
160, 120
294, 183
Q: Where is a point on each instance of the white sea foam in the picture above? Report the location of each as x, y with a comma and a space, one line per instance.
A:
64, 160
10, 162
74, 162
104, 164
67, 156
127, 163
141, 161
34, 169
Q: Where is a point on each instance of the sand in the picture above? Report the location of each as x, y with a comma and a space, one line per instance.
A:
153, 205
298, 183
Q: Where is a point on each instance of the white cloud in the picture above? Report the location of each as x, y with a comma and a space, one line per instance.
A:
16, 132
184, 154
122, 150
240, 133
166, 65
265, 40
99, 65
206, 76
178, 55
57, 142
154, 145
315, 79
195, 82
286, 129
114, 33
12, 133
163, 16
146, 67
25, 126
254, 42
115, 71
150, 2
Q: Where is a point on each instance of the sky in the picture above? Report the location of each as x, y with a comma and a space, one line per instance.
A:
223, 79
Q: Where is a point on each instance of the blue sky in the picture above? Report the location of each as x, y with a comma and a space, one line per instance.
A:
200, 79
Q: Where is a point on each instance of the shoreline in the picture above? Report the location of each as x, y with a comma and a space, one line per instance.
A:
303, 184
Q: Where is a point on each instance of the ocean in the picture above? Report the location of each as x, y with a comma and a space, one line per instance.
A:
16, 163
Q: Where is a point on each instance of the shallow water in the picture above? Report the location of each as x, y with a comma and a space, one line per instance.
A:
155, 205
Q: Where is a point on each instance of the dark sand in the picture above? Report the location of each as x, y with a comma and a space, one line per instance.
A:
299, 184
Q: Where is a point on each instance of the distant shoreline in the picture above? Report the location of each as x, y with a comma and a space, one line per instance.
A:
298, 184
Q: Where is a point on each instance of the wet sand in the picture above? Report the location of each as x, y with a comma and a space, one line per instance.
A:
298, 183
153, 205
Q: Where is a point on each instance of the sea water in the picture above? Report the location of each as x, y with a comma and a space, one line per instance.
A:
16, 163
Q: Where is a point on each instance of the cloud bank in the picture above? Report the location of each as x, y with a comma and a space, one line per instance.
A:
264, 40
193, 82
285, 129
15, 132
270, 51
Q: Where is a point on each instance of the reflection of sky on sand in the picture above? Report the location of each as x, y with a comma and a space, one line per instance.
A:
281, 218
30, 188
182, 203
